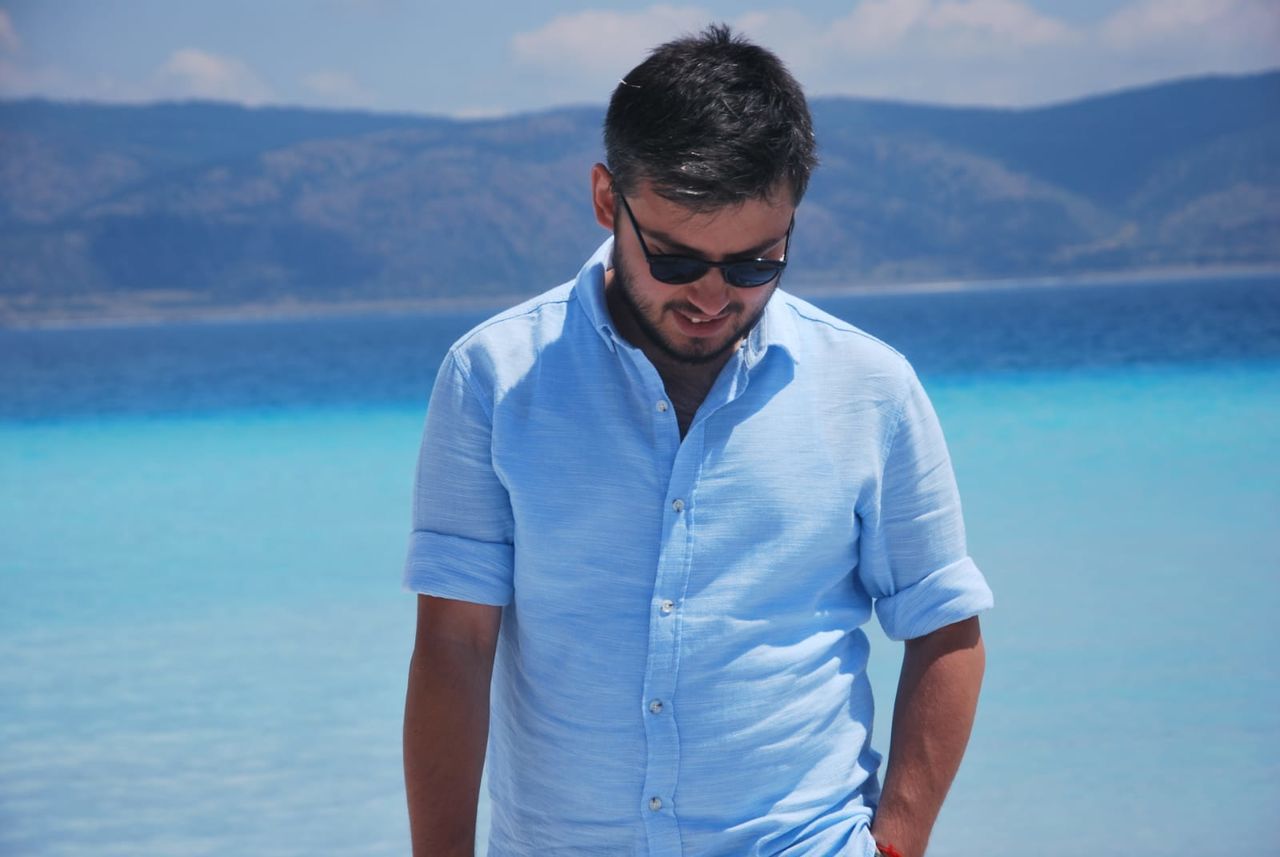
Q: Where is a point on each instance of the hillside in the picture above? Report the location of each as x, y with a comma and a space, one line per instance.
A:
188, 208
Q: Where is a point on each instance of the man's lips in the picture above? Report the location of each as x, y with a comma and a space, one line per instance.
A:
697, 324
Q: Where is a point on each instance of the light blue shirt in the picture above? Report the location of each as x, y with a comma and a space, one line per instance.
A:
680, 669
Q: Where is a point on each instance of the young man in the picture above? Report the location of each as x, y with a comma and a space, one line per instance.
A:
666, 495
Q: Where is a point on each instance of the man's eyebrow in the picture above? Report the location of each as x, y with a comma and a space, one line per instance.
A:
749, 253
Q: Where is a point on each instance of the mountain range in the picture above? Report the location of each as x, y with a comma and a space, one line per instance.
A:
172, 210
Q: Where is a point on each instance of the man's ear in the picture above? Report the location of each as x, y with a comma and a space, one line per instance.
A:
602, 195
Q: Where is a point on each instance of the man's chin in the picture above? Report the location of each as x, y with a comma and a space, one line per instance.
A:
696, 352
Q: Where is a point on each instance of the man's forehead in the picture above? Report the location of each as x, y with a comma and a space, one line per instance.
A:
692, 205
741, 228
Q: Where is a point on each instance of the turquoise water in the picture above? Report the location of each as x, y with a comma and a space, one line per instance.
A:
1127, 523
203, 645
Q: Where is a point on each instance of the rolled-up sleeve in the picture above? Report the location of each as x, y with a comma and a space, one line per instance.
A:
912, 557
461, 544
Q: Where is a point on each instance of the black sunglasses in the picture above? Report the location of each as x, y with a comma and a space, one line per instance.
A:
679, 270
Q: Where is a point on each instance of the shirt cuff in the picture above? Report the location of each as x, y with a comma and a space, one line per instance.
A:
951, 594
459, 568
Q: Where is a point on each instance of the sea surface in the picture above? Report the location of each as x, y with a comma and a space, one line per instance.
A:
204, 644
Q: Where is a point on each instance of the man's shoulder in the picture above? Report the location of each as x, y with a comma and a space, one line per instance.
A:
521, 325
815, 333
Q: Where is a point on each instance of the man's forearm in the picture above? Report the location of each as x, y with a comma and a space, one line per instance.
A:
932, 719
446, 725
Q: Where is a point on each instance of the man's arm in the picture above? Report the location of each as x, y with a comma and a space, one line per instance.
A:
446, 722
932, 718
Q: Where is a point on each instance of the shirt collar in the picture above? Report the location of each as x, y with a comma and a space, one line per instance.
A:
589, 290
777, 325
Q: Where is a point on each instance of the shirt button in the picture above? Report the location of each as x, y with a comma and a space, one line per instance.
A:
668, 606
655, 803
677, 504
655, 707
662, 406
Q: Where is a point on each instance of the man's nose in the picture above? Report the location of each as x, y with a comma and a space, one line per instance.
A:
710, 293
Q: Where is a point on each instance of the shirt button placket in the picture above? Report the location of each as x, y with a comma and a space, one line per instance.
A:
661, 735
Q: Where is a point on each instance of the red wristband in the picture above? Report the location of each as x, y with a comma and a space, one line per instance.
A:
887, 850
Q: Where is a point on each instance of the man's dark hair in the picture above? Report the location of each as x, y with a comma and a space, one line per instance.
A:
710, 120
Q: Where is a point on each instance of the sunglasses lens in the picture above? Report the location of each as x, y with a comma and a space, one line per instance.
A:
676, 270
749, 275
679, 270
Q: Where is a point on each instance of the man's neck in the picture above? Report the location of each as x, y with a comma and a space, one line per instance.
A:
687, 384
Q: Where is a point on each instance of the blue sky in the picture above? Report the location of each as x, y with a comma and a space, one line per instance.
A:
486, 57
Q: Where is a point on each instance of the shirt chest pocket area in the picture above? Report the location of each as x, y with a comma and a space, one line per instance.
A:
583, 489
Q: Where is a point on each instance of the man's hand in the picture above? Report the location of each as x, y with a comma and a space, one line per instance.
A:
446, 723
932, 718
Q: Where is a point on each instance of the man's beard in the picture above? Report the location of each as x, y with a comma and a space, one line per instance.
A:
640, 314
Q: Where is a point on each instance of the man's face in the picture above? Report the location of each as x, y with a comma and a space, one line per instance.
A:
698, 322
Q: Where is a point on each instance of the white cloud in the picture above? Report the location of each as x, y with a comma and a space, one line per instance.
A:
25, 80
376, 6
603, 42
336, 87
185, 74
480, 112
193, 73
864, 50
928, 28
878, 25
999, 52
1160, 22
1004, 21
1005, 52
9, 40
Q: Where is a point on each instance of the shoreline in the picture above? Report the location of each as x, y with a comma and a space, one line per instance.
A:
1150, 276
124, 313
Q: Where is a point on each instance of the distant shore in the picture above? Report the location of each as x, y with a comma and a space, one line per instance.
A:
134, 310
